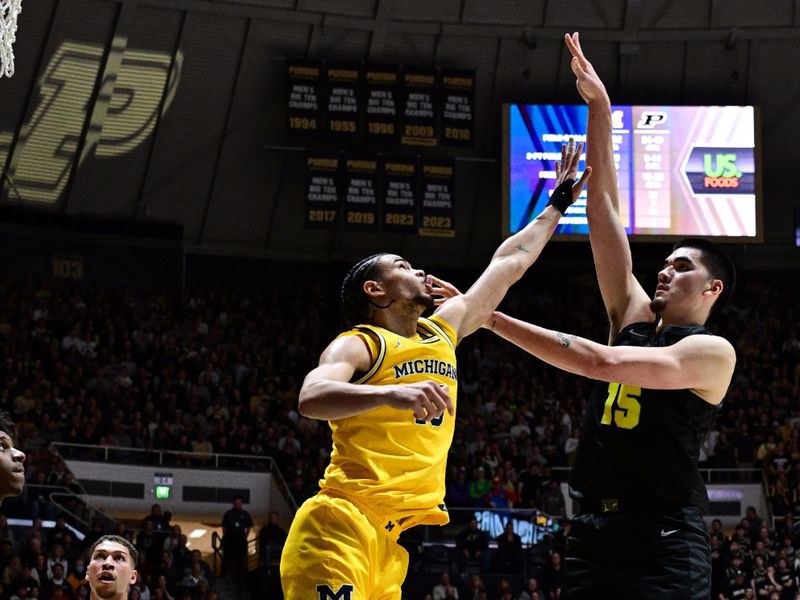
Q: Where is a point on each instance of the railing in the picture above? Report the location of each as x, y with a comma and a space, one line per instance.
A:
709, 475
191, 460
73, 506
143, 456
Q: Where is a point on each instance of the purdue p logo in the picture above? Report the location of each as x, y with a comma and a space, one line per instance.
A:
324, 592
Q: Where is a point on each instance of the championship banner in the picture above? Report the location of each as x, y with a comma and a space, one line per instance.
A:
418, 107
343, 98
382, 101
399, 206
361, 194
437, 211
304, 86
322, 192
458, 107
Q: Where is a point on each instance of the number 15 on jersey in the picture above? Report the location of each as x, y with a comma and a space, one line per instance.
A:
622, 406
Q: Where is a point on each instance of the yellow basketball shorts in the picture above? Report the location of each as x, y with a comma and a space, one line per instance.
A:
334, 552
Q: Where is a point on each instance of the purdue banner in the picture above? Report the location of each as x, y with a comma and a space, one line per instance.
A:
343, 98
381, 103
322, 192
458, 100
437, 214
361, 195
399, 206
305, 84
419, 107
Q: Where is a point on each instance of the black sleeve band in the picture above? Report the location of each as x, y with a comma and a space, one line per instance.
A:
562, 196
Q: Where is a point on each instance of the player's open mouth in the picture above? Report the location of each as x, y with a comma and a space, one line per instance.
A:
107, 577
428, 284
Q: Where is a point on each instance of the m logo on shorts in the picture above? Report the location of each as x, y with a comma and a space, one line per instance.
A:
326, 593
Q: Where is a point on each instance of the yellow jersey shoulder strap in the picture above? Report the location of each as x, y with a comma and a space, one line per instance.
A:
377, 347
440, 328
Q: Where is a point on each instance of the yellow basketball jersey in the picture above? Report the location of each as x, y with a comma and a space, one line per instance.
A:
385, 457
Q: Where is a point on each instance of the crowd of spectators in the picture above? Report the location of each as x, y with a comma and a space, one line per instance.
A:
46, 563
219, 371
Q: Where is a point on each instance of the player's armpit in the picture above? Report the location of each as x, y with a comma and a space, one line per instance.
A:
326, 392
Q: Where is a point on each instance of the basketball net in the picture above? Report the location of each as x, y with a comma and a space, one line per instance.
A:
9, 10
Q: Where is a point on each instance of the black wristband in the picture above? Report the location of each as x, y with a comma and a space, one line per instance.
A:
562, 196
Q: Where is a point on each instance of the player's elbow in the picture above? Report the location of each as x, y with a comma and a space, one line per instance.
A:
603, 366
511, 268
309, 401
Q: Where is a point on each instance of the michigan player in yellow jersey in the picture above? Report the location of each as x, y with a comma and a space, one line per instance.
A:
388, 389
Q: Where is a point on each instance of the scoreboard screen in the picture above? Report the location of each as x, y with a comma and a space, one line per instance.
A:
681, 170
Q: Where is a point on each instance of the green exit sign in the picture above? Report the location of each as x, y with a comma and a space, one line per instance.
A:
162, 492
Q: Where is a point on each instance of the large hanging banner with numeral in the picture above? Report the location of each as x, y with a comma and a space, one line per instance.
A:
458, 107
381, 104
386, 107
305, 86
437, 205
322, 192
360, 193
343, 99
419, 107
399, 199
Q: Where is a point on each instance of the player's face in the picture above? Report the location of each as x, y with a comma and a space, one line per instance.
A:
404, 283
12, 471
683, 284
110, 571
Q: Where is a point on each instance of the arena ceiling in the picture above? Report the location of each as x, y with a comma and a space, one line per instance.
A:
175, 109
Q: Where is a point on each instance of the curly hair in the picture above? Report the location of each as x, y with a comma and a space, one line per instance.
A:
355, 304
7, 425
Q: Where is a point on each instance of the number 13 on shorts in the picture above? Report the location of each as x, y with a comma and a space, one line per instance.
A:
622, 406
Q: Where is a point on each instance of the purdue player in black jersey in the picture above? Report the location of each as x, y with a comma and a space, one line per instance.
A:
639, 532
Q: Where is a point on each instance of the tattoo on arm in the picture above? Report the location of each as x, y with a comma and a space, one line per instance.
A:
522, 248
564, 340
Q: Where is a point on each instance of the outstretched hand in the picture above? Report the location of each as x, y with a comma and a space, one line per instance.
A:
567, 168
589, 85
442, 290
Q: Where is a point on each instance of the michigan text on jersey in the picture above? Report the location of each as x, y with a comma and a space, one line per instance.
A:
428, 365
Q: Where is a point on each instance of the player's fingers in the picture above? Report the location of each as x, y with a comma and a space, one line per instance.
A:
570, 44
574, 45
431, 412
587, 172
576, 38
577, 69
433, 397
576, 157
448, 401
439, 405
443, 398
558, 170
445, 286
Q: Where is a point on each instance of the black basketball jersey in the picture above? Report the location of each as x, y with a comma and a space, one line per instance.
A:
639, 444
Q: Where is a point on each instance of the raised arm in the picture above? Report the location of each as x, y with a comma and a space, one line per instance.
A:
701, 363
625, 300
327, 393
467, 312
